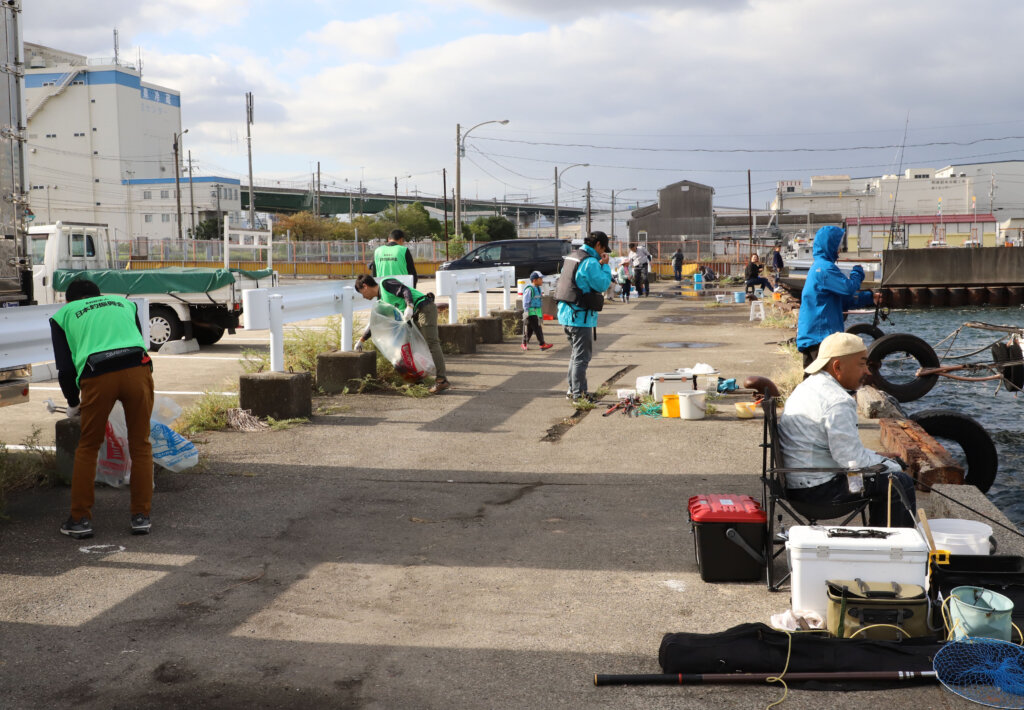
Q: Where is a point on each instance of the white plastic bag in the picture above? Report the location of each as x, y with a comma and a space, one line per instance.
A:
401, 343
170, 449
114, 463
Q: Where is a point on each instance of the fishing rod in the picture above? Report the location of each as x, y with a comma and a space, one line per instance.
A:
747, 678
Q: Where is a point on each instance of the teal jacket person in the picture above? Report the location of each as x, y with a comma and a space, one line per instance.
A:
591, 275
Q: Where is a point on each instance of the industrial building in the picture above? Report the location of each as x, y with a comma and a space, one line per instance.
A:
101, 149
683, 215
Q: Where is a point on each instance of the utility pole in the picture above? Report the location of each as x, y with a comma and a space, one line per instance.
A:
177, 180
458, 178
611, 240
588, 209
220, 228
556, 202
396, 200
191, 194
444, 194
129, 174
750, 215
248, 140
318, 188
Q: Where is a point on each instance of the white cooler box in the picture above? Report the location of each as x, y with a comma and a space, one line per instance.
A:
663, 383
814, 557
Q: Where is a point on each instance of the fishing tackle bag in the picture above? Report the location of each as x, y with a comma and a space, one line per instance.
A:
872, 609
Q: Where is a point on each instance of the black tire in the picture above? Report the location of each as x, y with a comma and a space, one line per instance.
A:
865, 329
1014, 374
913, 346
207, 335
979, 449
164, 326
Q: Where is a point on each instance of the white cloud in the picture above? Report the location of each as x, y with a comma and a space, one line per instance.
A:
372, 37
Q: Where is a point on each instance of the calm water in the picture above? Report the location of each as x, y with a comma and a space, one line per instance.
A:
1001, 414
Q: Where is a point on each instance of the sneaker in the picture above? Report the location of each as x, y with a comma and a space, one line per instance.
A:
77, 529
524, 346
440, 385
546, 346
140, 524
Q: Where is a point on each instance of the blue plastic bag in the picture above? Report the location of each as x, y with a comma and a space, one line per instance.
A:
171, 450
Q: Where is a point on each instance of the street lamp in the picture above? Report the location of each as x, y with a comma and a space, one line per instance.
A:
177, 177
460, 149
557, 180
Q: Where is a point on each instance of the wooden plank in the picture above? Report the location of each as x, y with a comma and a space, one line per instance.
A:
928, 462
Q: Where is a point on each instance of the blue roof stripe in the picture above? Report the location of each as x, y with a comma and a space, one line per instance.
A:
106, 77
164, 181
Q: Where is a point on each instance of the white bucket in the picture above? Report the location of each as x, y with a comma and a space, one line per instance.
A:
691, 405
962, 537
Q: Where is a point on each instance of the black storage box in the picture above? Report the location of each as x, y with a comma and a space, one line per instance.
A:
729, 535
1003, 574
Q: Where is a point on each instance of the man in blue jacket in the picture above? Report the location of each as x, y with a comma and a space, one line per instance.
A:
584, 279
827, 293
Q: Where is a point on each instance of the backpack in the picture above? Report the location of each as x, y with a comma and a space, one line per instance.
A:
566, 289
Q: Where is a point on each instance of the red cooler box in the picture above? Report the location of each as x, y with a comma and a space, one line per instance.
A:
729, 535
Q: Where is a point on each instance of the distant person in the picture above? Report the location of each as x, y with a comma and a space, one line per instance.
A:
707, 274
101, 359
532, 313
640, 260
752, 274
827, 293
777, 265
677, 265
818, 427
584, 279
622, 279
394, 258
419, 309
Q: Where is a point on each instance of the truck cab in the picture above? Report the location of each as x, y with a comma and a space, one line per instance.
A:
74, 246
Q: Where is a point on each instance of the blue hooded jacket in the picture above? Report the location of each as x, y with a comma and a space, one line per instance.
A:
827, 292
591, 275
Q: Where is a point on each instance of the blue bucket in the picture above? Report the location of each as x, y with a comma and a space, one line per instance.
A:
739, 296
698, 279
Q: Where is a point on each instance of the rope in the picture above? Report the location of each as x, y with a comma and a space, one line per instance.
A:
778, 678
1015, 531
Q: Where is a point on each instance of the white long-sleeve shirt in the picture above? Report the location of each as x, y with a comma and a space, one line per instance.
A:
819, 428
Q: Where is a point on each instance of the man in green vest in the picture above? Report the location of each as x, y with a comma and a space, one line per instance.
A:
101, 359
418, 306
394, 258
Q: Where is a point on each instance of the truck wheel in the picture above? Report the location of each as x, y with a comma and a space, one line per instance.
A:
207, 335
164, 326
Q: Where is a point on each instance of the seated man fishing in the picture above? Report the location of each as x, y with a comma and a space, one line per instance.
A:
819, 428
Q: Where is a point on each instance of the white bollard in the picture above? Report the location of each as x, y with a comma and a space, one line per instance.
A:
482, 285
143, 315
347, 296
276, 304
506, 296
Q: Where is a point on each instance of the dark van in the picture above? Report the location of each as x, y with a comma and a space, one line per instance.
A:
527, 255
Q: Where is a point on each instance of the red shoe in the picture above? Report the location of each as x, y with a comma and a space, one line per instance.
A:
524, 346
546, 346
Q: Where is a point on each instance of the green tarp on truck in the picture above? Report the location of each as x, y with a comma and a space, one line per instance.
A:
167, 280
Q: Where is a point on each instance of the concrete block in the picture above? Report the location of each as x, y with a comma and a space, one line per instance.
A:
512, 320
281, 395
67, 433
44, 372
460, 336
488, 329
337, 370
179, 347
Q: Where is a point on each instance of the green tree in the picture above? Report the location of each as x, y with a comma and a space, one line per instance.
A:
207, 229
414, 220
493, 228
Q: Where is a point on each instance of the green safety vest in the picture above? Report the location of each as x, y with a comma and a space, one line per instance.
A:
417, 298
96, 325
535, 298
389, 260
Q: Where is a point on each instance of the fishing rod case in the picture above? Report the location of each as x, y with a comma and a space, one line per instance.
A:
758, 648
999, 573
872, 609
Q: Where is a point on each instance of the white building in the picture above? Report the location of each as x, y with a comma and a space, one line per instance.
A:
101, 149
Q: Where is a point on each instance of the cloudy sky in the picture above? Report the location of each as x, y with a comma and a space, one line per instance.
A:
662, 91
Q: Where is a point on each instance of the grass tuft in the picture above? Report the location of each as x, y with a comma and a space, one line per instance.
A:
21, 470
282, 424
208, 413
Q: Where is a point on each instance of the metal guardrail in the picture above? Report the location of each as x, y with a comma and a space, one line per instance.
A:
25, 332
451, 283
270, 308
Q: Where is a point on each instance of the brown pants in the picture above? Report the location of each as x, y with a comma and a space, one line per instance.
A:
134, 389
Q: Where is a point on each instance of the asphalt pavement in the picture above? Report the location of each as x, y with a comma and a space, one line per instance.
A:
467, 550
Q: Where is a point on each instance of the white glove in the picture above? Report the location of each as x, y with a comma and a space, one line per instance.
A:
73, 411
407, 316
359, 346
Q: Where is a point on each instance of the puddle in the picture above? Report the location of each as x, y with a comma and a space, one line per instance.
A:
671, 319
678, 345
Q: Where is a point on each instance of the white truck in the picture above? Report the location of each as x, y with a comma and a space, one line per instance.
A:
200, 303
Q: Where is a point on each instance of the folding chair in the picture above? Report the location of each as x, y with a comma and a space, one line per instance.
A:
773, 481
